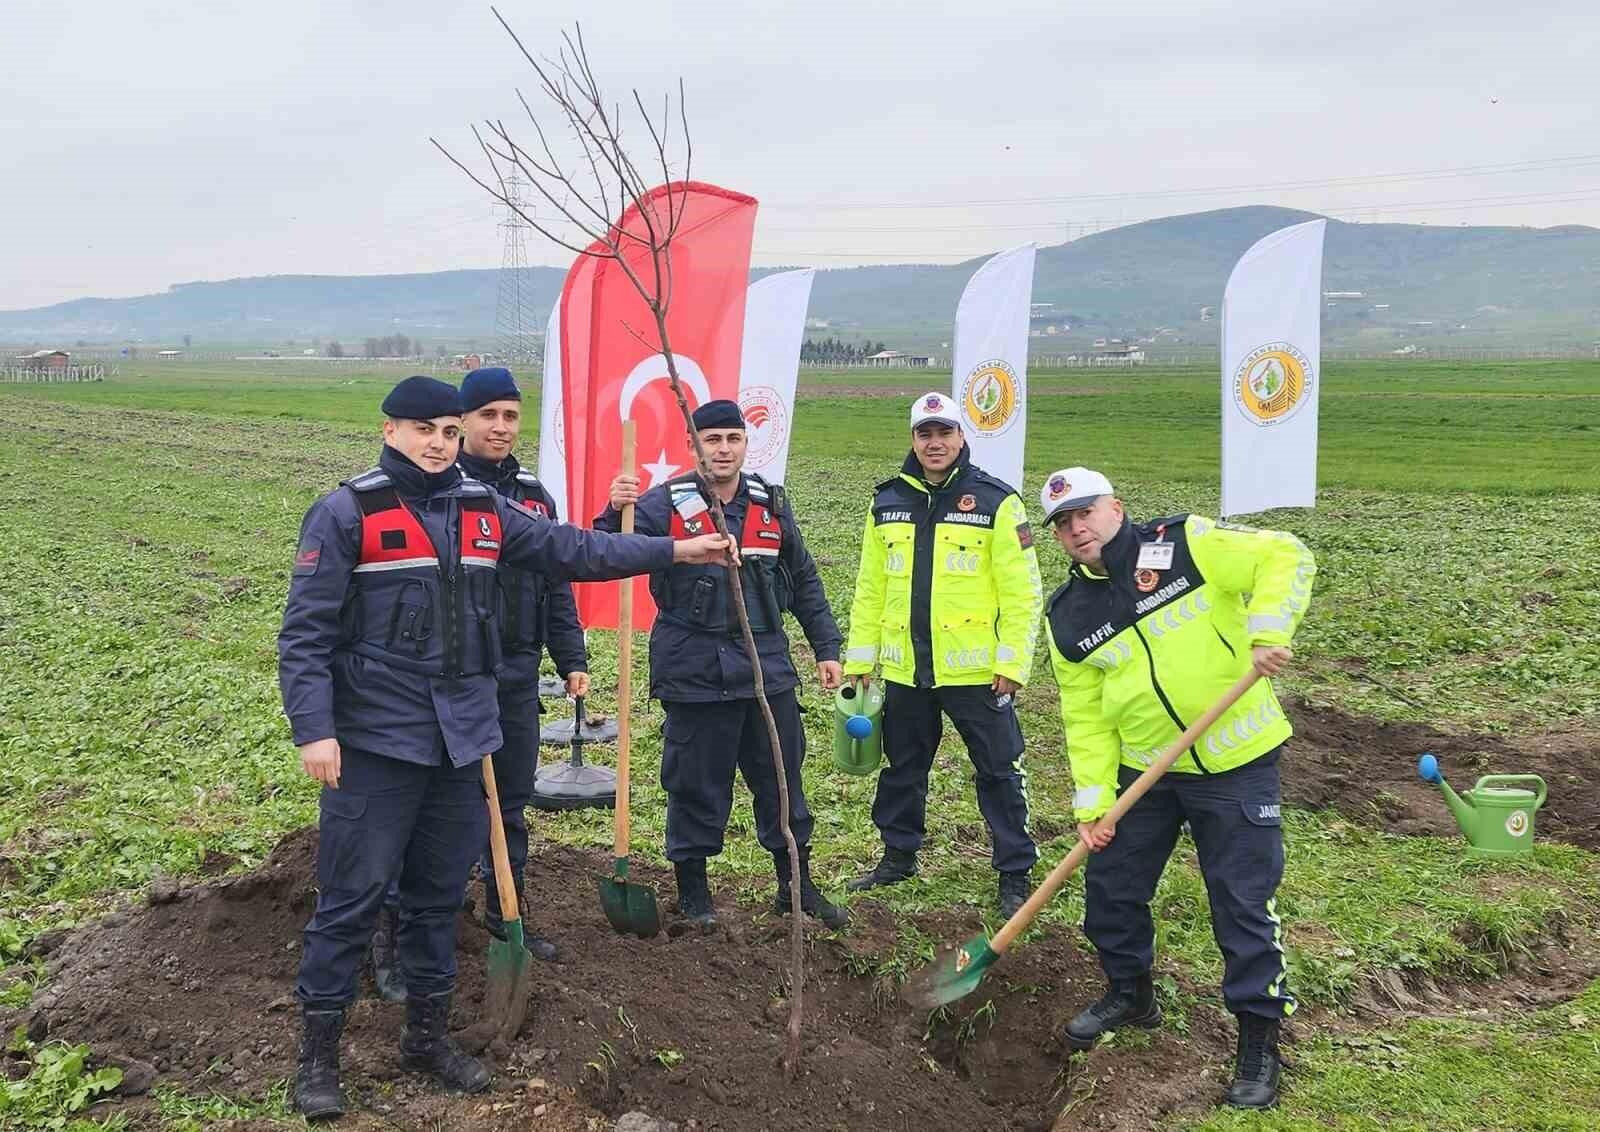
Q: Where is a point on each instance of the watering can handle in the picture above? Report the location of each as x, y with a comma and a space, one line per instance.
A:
1515, 780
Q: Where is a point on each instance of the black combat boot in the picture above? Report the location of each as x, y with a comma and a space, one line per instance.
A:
316, 1082
1127, 1002
386, 973
694, 894
426, 1045
1255, 1064
812, 902
1015, 888
897, 865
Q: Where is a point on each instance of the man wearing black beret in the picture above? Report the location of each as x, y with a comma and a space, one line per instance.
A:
386, 665
701, 674
535, 612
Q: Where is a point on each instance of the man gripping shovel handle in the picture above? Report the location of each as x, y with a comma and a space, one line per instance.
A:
957, 973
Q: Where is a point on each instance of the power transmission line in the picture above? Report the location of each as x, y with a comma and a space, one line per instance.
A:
513, 313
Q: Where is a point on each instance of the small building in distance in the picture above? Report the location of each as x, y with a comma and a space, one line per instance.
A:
898, 359
44, 360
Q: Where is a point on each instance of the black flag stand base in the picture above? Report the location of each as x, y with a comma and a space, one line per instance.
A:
575, 784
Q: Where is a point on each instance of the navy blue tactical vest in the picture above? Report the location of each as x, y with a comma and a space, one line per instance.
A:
417, 608
697, 596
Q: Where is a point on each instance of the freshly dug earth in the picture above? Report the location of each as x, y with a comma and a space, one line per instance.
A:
1368, 770
689, 1028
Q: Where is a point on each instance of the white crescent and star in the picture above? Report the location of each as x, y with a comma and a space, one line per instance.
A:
654, 368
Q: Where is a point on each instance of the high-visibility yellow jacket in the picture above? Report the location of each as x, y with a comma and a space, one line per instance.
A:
948, 591
1143, 651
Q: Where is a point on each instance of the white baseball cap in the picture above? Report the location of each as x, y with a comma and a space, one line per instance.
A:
934, 406
1071, 488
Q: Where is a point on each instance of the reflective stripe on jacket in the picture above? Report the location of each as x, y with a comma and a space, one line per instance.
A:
948, 589
1143, 651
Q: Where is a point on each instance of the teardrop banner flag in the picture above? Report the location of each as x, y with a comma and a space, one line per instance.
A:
552, 445
1272, 372
612, 364
990, 362
774, 324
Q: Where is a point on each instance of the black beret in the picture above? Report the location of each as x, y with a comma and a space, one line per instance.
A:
491, 383
718, 414
422, 399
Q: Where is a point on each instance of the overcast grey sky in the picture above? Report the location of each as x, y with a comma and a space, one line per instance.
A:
152, 143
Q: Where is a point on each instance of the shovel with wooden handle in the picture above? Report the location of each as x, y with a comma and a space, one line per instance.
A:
505, 998
957, 973
630, 907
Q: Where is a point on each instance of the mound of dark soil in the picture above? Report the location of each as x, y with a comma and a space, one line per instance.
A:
1368, 770
689, 1029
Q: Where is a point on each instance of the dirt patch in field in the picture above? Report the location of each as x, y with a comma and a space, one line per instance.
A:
1368, 770
689, 1029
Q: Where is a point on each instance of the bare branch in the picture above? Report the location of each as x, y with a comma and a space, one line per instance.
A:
633, 224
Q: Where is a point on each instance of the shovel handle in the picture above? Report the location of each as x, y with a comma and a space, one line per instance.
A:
1136, 789
504, 883
619, 842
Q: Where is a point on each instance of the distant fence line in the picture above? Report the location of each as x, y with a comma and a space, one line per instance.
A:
34, 375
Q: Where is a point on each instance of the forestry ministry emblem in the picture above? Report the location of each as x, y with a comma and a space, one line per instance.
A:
990, 398
766, 420
1273, 383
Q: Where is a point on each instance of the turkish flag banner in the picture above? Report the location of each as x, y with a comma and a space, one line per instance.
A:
613, 365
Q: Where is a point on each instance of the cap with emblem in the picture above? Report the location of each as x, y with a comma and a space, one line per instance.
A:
491, 383
718, 414
931, 407
422, 399
1071, 488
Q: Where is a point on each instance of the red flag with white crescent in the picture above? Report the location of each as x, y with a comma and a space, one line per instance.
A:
613, 364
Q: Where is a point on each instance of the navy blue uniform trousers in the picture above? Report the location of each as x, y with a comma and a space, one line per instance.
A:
702, 743
1238, 836
911, 731
429, 819
515, 765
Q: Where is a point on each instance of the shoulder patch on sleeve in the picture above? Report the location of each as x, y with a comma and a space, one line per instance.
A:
307, 558
1025, 535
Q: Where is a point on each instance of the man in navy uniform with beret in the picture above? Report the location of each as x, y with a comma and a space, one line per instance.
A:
701, 674
535, 612
386, 664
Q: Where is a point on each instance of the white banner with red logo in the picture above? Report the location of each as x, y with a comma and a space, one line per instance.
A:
990, 362
774, 324
611, 375
1272, 372
552, 455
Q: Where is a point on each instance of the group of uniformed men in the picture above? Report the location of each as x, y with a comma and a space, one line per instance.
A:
424, 591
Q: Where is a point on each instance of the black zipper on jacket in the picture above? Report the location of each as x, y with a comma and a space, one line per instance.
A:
1162, 696
453, 613
922, 595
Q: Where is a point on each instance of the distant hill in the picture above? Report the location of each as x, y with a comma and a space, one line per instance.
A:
1515, 286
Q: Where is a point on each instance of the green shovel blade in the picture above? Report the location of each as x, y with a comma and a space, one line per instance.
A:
630, 908
952, 975
510, 980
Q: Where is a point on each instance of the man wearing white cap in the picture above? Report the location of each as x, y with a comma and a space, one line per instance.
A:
947, 602
1153, 624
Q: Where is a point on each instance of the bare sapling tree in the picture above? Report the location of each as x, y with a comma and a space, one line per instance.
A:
598, 202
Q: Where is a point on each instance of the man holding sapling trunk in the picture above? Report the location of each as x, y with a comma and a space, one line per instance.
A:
386, 665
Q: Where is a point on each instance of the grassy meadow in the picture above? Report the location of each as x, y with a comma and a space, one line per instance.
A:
147, 526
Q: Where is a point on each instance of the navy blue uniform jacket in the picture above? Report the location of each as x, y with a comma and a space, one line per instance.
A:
699, 665
330, 690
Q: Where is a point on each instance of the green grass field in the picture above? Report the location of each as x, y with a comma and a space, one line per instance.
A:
147, 523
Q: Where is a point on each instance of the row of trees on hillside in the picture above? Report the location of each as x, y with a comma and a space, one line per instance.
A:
831, 351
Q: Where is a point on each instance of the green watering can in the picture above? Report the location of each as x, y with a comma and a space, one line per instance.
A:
858, 727
1496, 814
